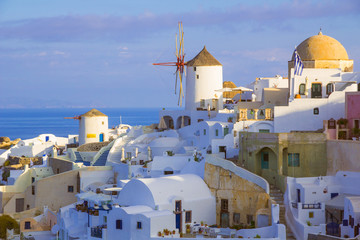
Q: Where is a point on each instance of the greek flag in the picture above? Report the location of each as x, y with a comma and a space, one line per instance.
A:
298, 65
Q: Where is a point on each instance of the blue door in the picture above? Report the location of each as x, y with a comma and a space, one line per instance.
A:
264, 160
47, 138
101, 137
178, 221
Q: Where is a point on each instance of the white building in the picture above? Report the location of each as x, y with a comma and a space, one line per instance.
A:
317, 94
93, 127
145, 207
322, 204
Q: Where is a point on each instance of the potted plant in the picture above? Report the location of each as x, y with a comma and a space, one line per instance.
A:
230, 119
187, 228
159, 234
202, 223
342, 122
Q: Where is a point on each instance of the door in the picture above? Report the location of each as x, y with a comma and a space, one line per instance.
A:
298, 195
316, 90
101, 137
178, 215
47, 138
19, 205
178, 221
264, 160
224, 220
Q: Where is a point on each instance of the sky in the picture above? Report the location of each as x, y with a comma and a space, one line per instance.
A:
92, 53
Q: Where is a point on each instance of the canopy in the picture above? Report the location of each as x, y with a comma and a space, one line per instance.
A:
243, 89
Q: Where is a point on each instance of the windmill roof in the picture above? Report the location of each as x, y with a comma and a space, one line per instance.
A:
93, 113
204, 58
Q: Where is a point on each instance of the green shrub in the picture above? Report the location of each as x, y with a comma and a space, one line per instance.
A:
7, 222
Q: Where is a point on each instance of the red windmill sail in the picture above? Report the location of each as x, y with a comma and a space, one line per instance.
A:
180, 62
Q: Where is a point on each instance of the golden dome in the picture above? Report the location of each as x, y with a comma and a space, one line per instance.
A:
321, 47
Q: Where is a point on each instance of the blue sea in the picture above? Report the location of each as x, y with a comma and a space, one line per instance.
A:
30, 123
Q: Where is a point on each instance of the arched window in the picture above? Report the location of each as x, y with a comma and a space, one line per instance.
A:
302, 89
329, 88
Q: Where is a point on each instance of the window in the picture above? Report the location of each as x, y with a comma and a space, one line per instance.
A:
27, 225
138, 225
32, 179
236, 218
57, 170
188, 217
329, 88
311, 214
168, 172
217, 132
264, 160
356, 123
226, 131
197, 76
224, 205
264, 130
33, 190
177, 206
119, 224
249, 219
345, 223
105, 219
331, 124
204, 131
302, 89
293, 159
194, 69
316, 111
70, 188
202, 103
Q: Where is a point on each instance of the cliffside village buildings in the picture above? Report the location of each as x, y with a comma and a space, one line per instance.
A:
275, 160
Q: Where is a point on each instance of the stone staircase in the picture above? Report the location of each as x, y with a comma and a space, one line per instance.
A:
101, 161
277, 196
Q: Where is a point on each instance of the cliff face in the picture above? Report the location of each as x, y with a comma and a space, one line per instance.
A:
6, 143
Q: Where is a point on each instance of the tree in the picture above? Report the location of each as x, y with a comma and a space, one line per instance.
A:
7, 222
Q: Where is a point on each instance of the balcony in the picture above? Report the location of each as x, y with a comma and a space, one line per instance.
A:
245, 114
97, 231
306, 205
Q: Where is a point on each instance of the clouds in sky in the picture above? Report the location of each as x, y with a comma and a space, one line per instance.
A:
105, 58
74, 27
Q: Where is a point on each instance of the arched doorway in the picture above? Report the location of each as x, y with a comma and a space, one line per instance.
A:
183, 121
266, 164
169, 122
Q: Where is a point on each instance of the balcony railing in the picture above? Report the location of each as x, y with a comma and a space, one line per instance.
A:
311, 206
255, 114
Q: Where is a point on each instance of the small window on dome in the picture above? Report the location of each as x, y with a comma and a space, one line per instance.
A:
302, 89
316, 111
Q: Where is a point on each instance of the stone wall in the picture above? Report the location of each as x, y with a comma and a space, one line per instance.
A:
310, 146
342, 155
244, 197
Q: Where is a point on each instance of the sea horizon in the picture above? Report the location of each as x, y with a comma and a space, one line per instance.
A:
28, 123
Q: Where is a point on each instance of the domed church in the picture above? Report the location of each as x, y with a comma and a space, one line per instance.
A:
317, 92
321, 51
